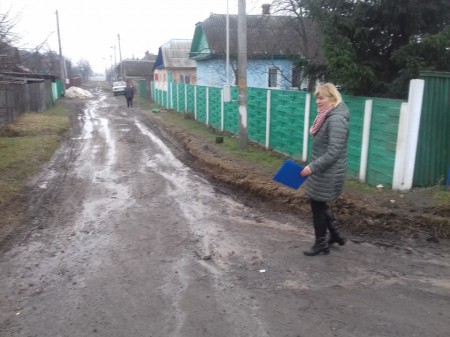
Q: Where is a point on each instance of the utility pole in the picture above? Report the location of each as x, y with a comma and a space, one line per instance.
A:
62, 62
115, 63
242, 74
112, 70
227, 64
120, 57
226, 88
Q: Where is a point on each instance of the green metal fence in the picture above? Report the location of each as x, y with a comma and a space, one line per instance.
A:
287, 122
433, 148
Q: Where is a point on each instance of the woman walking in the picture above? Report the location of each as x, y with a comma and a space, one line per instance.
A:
328, 166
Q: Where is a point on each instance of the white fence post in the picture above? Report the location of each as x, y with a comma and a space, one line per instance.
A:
365, 140
222, 110
268, 102
207, 105
178, 97
195, 102
400, 151
169, 96
185, 98
306, 127
408, 135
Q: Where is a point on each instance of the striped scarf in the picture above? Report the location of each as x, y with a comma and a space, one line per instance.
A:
320, 118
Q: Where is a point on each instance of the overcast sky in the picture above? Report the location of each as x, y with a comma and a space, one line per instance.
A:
89, 28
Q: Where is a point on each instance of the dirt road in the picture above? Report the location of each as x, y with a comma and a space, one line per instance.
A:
126, 240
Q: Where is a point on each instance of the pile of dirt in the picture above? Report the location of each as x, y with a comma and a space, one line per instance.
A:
371, 212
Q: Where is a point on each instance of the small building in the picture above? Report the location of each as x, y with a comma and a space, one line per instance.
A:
275, 45
173, 64
136, 69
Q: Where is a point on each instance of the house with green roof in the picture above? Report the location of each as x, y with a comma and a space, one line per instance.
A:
275, 44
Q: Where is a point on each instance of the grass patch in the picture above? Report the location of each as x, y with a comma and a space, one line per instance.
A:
442, 196
255, 153
26, 145
52, 122
356, 185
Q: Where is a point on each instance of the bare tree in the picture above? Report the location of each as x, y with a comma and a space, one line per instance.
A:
7, 24
311, 65
8, 54
84, 69
38, 59
39, 62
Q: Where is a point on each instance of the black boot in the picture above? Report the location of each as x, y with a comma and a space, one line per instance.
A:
333, 227
320, 222
320, 246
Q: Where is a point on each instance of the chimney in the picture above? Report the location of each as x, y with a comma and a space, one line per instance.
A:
266, 9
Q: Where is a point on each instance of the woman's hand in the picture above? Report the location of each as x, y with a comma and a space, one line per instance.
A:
306, 172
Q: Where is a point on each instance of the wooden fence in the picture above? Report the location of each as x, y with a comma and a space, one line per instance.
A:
19, 97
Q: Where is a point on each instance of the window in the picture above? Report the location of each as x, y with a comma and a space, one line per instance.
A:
273, 78
185, 79
210, 75
296, 78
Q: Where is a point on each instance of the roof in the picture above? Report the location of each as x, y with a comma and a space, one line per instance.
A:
15, 77
149, 56
175, 54
10, 59
138, 67
267, 36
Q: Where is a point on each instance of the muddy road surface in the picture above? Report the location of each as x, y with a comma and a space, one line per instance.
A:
125, 239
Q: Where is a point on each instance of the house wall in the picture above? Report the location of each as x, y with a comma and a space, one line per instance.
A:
177, 75
213, 73
258, 71
161, 77
164, 76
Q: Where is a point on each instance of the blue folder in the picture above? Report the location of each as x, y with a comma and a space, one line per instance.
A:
289, 174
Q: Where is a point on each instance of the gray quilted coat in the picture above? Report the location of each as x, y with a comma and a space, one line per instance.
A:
329, 156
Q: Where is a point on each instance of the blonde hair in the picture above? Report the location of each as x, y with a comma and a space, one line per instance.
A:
329, 90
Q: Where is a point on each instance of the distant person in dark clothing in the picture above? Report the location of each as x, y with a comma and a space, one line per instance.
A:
129, 94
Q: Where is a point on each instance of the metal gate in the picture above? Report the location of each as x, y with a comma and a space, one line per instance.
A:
433, 148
